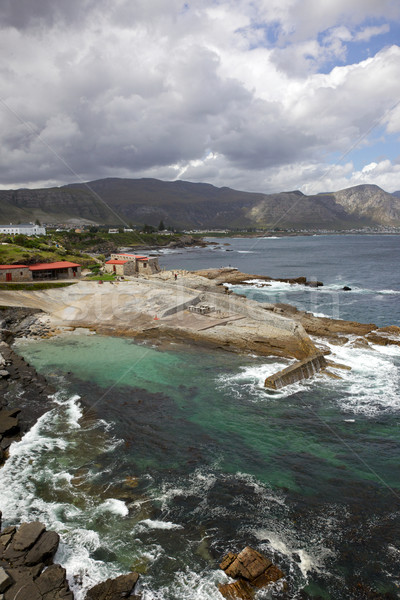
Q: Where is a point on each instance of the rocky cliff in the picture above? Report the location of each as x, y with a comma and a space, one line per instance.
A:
370, 202
198, 205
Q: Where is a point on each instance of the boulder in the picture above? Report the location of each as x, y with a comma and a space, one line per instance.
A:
314, 284
8, 424
6, 537
52, 584
346, 288
252, 571
248, 564
44, 549
27, 535
114, 589
23, 590
31, 545
239, 589
10, 412
24, 552
5, 580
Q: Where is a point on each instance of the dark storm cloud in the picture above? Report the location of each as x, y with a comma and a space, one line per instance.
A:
23, 14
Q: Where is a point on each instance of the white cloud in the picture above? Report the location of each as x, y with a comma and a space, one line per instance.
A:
369, 32
227, 91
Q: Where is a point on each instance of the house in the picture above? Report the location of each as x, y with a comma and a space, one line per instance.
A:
15, 273
132, 264
113, 231
56, 270
120, 267
23, 229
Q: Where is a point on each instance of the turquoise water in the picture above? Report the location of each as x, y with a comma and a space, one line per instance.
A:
163, 458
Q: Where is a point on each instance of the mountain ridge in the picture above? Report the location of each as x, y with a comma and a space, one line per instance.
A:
199, 205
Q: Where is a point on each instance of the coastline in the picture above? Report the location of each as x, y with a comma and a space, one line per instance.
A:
27, 552
330, 332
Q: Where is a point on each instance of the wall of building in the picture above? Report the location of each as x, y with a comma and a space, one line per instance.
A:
16, 274
27, 230
129, 268
148, 267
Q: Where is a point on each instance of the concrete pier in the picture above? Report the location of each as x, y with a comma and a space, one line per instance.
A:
303, 369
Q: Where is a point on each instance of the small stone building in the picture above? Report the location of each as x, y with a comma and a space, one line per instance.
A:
15, 273
120, 267
132, 264
57, 270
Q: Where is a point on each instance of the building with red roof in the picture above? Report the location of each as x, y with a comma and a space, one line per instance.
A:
15, 273
125, 263
56, 270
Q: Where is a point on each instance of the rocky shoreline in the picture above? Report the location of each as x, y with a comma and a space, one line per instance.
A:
27, 570
18, 379
44, 580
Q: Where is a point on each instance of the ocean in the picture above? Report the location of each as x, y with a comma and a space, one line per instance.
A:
162, 459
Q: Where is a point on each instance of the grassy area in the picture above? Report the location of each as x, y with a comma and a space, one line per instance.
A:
103, 277
15, 254
102, 241
42, 285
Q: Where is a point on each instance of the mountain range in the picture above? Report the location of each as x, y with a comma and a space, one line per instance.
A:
184, 204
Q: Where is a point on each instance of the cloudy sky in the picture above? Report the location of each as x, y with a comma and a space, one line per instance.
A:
260, 95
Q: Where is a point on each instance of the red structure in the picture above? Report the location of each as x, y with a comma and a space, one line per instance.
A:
56, 270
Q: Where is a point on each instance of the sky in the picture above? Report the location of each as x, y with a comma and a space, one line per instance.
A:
256, 95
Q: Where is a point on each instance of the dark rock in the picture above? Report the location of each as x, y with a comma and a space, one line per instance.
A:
27, 535
5, 580
314, 284
44, 549
8, 424
52, 584
6, 537
4, 374
36, 570
114, 589
23, 590
6, 442
346, 288
10, 412
23, 556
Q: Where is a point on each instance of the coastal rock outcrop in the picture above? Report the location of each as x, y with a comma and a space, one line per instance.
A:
153, 307
33, 392
234, 276
252, 570
115, 589
27, 571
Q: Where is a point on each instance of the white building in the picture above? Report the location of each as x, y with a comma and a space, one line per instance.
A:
23, 228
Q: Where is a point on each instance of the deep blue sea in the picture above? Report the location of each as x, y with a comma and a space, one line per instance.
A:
369, 264
162, 459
